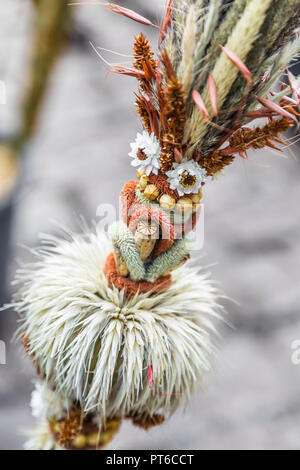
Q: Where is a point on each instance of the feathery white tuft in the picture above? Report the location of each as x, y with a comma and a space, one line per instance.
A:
96, 346
47, 403
40, 438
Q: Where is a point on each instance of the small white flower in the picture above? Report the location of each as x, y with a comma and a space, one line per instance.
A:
186, 177
151, 148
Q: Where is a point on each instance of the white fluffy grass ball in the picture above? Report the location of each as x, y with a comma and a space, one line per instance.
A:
47, 404
96, 347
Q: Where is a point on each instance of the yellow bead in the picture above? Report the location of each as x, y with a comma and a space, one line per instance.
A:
143, 183
184, 204
56, 427
107, 437
196, 198
112, 424
140, 173
151, 192
93, 439
79, 441
196, 202
167, 202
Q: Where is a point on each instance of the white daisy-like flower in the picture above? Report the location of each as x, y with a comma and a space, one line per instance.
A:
149, 145
186, 177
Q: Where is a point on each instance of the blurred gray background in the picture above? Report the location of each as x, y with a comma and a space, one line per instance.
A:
79, 159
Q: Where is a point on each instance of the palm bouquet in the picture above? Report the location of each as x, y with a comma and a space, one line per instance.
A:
121, 327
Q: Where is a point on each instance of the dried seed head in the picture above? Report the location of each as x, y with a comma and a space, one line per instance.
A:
184, 204
147, 229
196, 198
167, 202
93, 439
143, 182
146, 421
215, 161
140, 173
80, 441
70, 427
151, 192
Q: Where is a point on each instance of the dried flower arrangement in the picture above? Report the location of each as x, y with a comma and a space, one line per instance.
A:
127, 333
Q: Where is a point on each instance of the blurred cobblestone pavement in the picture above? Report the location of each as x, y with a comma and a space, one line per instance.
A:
79, 159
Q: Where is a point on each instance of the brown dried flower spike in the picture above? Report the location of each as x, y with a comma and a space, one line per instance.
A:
143, 59
175, 114
244, 139
67, 429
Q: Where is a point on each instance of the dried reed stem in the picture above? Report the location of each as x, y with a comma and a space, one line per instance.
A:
51, 25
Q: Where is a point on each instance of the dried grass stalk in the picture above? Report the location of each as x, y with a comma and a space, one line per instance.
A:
51, 27
225, 72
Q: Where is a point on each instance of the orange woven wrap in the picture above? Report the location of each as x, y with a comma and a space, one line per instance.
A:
132, 287
162, 184
128, 200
